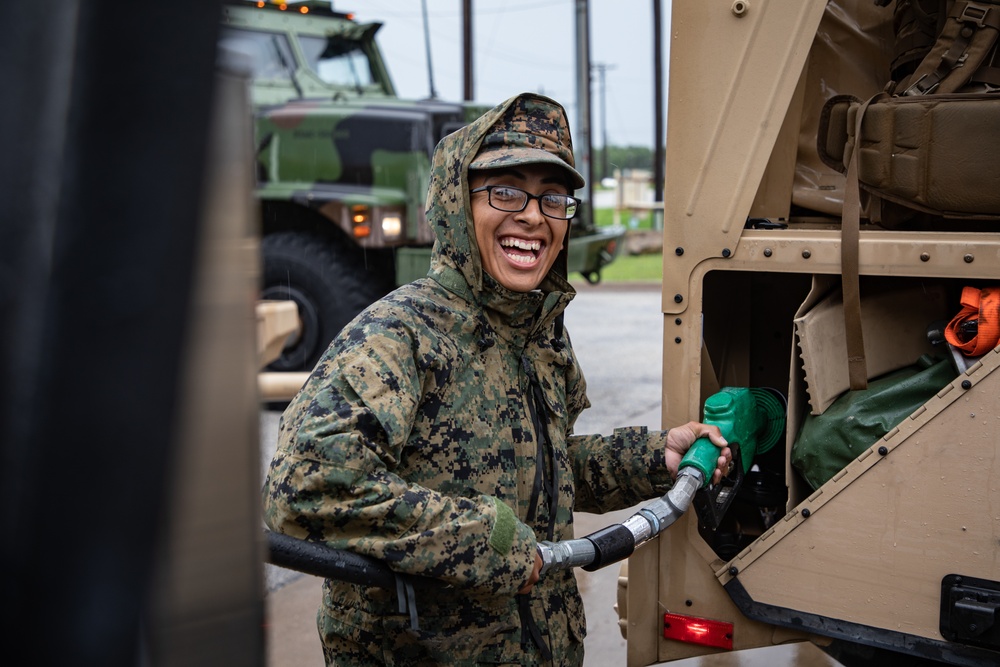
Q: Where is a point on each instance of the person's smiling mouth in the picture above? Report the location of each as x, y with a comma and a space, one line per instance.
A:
521, 250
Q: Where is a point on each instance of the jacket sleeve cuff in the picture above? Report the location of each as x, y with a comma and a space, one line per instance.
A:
515, 543
659, 475
504, 528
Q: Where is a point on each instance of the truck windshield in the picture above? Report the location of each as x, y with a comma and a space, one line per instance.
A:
338, 61
270, 54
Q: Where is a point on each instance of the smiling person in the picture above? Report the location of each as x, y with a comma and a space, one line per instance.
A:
436, 434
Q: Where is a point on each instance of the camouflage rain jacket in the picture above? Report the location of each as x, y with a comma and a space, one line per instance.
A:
436, 435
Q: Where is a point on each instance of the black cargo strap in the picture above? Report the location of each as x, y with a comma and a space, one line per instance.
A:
546, 470
529, 629
407, 599
547, 482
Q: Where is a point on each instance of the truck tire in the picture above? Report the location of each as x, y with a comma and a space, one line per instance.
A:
330, 284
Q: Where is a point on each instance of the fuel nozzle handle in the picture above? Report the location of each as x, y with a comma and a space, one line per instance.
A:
735, 412
702, 457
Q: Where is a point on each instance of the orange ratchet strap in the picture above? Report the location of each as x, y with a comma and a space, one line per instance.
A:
983, 307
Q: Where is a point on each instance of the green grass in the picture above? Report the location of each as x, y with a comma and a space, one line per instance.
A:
634, 269
630, 268
605, 217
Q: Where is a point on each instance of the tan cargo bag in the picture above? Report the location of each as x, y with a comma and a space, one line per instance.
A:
936, 153
931, 142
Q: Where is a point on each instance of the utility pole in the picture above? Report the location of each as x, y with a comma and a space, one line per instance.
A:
468, 92
659, 157
582, 145
427, 44
601, 69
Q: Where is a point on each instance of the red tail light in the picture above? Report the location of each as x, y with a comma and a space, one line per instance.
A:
694, 630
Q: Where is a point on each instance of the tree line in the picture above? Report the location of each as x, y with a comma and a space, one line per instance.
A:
620, 157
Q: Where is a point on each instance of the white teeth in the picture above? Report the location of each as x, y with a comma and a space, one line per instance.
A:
521, 244
522, 259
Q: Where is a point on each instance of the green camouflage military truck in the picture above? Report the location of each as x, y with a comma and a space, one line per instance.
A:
342, 166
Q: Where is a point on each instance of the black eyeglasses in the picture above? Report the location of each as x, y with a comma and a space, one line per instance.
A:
511, 200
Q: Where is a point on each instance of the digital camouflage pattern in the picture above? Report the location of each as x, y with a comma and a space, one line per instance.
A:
420, 439
533, 129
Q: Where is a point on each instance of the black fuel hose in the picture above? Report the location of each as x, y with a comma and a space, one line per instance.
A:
614, 543
611, 545
604, 547
322, 561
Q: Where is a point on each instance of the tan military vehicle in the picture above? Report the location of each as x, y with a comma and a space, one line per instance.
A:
800, 258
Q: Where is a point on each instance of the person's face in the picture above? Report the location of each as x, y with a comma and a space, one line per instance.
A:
518, 249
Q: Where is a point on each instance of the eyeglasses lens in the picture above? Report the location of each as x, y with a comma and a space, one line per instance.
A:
510, 199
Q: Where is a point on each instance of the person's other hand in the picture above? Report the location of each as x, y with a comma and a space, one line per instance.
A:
533, 578
680, 439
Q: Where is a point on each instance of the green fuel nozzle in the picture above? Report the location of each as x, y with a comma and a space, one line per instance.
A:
752, 421
734, 411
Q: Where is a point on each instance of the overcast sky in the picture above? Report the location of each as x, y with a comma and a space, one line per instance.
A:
528, 45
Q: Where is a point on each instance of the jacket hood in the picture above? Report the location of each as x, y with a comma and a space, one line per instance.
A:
449, 209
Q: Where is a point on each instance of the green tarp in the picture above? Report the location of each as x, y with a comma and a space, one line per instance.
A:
828, 442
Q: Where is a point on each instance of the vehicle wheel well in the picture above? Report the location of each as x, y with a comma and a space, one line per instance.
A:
286, 216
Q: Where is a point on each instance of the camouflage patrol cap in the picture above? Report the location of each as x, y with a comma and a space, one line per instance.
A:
533, 130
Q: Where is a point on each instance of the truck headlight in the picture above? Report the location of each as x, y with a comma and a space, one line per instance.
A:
392, 226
